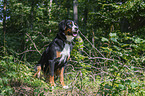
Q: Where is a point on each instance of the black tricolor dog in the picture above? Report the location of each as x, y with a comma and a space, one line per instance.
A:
55, 57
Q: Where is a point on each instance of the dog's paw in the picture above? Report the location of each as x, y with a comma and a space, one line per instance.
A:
52, 87
65, 87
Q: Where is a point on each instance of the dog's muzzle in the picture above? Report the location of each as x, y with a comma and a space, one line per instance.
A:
75, 32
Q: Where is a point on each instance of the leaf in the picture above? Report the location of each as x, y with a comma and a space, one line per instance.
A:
134, 84
116, 47
137, 40
125, 45
112, 34
134, 46
121, 86
143, 41
104, 39
11, 57
114, 39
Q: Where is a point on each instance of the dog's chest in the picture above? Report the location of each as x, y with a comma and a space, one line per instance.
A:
65, 53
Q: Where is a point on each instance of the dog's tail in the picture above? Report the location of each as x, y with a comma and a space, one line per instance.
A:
38, 70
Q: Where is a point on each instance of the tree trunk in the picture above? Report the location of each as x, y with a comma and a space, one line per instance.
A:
75, 9
4, 22
31, 12
85, 16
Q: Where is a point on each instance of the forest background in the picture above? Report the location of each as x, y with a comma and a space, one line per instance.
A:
108, 57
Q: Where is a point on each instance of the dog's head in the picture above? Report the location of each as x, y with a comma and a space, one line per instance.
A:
69, 28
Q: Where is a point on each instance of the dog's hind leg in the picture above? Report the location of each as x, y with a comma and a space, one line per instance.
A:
51, 72
38, 68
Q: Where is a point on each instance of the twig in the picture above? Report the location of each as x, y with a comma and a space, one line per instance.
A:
34, 44
101, 58
92, 45
26, 51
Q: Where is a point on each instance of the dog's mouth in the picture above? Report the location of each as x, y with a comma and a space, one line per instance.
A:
72, 32
75, 33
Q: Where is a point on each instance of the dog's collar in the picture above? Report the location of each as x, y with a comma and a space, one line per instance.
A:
66, 41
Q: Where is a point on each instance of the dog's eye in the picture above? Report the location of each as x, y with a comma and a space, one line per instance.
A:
75, 24
69, 24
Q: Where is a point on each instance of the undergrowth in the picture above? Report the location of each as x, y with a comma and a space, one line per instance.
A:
119, 70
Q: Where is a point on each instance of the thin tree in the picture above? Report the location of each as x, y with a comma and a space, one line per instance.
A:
75, 9
4, 22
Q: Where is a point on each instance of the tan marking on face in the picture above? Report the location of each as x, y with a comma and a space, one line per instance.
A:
68, 30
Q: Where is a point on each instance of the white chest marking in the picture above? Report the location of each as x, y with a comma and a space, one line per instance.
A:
69, 38
65, 53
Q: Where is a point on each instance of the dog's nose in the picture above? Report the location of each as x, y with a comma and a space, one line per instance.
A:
76, 29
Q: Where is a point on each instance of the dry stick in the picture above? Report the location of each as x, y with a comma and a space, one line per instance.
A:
26, 51
97, 50
33, 44
101, 58
92, 45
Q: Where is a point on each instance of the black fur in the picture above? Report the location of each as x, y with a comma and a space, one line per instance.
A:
49, 61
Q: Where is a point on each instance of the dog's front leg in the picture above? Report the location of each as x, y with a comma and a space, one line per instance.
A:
62, 78
51, 72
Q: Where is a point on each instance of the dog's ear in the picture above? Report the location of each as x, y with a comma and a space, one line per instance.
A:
62, 25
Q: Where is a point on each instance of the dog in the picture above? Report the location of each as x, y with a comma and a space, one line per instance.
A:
55, 57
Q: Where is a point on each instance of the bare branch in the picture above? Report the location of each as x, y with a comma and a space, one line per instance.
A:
26, 51
101, 58
34, 44
92, 45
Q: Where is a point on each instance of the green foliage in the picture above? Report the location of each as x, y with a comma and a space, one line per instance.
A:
125, 77
15, 73
108, 59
